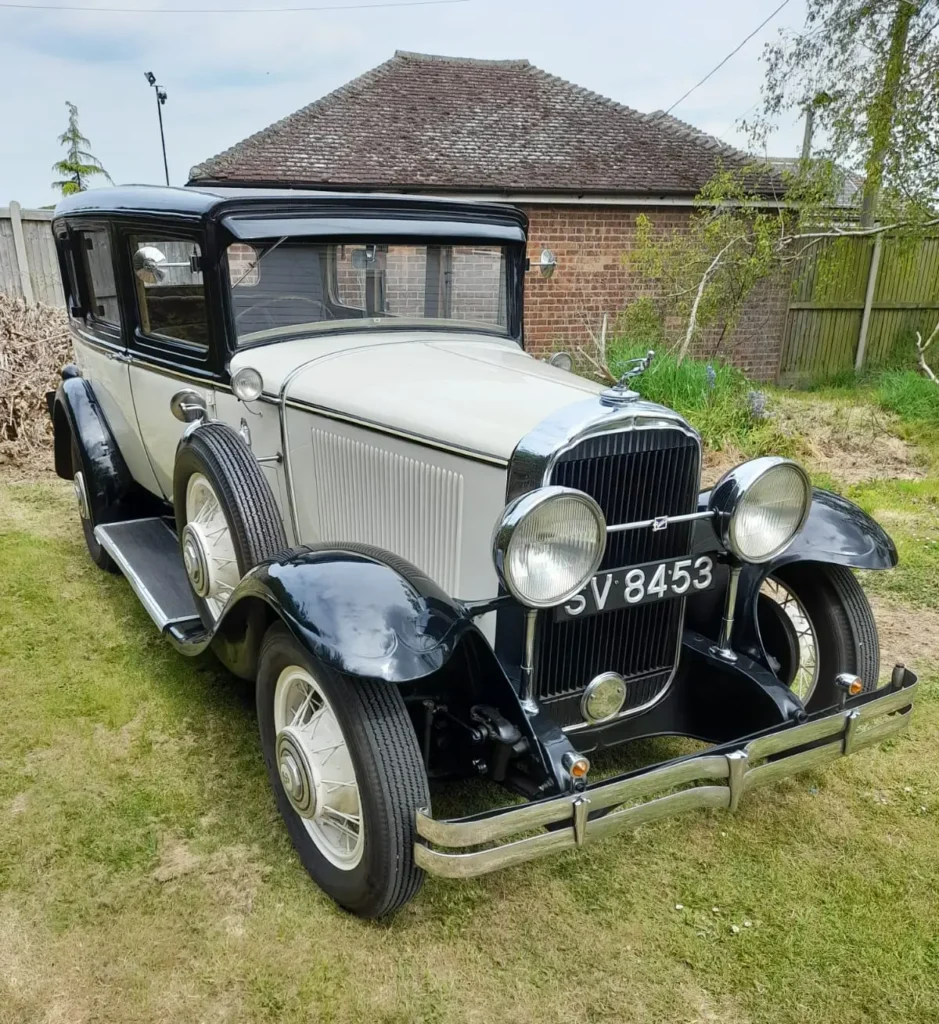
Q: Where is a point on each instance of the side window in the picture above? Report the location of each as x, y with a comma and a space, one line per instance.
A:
170, 289
95, 247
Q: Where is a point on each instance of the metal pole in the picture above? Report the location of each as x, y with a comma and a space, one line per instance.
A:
807, 134
868, 303
166, 169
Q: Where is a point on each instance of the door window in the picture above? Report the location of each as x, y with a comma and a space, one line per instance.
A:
95, 246
170, 290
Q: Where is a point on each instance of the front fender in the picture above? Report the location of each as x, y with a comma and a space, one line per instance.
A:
836, 532
360, 611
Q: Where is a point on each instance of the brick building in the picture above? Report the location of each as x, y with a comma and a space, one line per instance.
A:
581, 166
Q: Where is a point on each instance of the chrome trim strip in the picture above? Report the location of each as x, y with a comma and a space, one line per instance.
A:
668, 520
381, 428
135, 359
734, 767
161, 620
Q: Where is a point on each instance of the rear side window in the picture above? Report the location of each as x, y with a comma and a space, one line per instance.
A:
170, 289
95, 247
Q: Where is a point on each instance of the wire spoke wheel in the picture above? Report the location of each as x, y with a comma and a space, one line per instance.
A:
316, 768
804, 642
207, 545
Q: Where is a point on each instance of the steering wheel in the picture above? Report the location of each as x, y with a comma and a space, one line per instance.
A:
264, 304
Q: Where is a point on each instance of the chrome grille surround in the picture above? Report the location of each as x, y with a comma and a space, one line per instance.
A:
592, 429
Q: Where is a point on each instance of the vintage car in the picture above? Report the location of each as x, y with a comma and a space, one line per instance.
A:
305, 428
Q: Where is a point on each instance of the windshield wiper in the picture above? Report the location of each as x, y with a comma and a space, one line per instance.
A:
257, 262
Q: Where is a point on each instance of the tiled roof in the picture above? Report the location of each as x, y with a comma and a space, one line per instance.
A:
449, 123
849, 185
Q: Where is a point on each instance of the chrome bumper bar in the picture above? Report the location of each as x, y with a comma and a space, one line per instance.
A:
726, 777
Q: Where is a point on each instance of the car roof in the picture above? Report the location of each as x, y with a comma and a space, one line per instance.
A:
211, 202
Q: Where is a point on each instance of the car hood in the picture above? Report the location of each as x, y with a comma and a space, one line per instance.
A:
480, 395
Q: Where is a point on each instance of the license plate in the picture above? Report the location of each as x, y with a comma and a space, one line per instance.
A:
639, 584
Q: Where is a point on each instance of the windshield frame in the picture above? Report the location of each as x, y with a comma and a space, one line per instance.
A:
515, 265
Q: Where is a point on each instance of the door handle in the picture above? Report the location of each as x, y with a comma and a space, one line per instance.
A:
121, 357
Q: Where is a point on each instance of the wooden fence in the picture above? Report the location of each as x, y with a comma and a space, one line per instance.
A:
859, 303
29, 268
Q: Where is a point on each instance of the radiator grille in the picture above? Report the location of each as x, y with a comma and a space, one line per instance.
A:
633, 475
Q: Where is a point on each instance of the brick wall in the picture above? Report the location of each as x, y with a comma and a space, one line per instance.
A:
590, 280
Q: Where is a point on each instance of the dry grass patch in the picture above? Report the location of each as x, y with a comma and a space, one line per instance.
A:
852, 441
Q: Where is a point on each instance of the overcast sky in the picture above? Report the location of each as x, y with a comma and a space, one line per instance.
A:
228, 75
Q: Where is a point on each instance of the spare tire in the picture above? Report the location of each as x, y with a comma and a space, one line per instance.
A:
226, 516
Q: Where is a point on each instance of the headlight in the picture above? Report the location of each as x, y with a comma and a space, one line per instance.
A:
548, 544
761, 506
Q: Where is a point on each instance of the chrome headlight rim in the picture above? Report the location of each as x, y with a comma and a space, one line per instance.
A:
516, 512
729, 492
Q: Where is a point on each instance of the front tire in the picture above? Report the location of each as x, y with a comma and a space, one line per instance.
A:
347, 774
816, 622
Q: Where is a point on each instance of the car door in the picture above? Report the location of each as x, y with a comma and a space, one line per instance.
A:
171, 347
99, 336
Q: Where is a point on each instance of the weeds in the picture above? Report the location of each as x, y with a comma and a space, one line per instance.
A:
713, 396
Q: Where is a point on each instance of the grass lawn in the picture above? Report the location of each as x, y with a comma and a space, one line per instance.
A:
145, 875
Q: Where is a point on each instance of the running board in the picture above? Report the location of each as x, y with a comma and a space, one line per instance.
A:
147, 553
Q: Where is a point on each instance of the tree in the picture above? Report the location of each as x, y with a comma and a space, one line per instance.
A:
79, 164
869, 70
867, 73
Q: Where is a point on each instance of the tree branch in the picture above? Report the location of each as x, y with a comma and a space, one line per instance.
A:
702, 284
921, 347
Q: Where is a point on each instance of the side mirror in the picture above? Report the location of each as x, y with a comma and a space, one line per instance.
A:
188, 406
150, 265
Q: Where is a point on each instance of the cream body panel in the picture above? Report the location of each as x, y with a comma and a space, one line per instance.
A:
469, 391
159, 428
434, 508
109, 378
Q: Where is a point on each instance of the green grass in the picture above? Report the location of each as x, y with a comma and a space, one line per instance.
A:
145, 875
718, 409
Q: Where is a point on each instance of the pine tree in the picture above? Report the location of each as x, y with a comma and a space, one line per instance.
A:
79, 165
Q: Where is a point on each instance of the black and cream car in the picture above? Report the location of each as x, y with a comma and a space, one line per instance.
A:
305, 428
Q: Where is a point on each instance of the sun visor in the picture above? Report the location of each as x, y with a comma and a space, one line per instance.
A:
248, 229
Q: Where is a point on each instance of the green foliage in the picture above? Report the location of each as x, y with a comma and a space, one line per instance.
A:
910, 395
871, 74
79, 164
640, 324
713, 397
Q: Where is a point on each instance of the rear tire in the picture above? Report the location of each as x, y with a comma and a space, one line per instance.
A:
96, 552
841, 623
372, 873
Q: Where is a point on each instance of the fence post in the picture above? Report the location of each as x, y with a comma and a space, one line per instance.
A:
868, 302
19, 247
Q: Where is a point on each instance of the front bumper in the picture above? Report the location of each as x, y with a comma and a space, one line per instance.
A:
727, 773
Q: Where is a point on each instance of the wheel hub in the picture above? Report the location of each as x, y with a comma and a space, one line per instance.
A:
296, 773
81, 495
195, 560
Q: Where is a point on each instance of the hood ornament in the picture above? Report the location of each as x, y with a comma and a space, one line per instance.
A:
621, 392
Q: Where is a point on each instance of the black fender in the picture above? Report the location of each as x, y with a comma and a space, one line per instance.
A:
836, 532
77, 413
370, 613
367, 613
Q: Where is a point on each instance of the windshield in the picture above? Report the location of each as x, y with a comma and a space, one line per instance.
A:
289, 286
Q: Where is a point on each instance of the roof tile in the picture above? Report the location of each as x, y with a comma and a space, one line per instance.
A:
451, 123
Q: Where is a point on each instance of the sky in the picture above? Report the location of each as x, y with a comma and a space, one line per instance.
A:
228, 75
